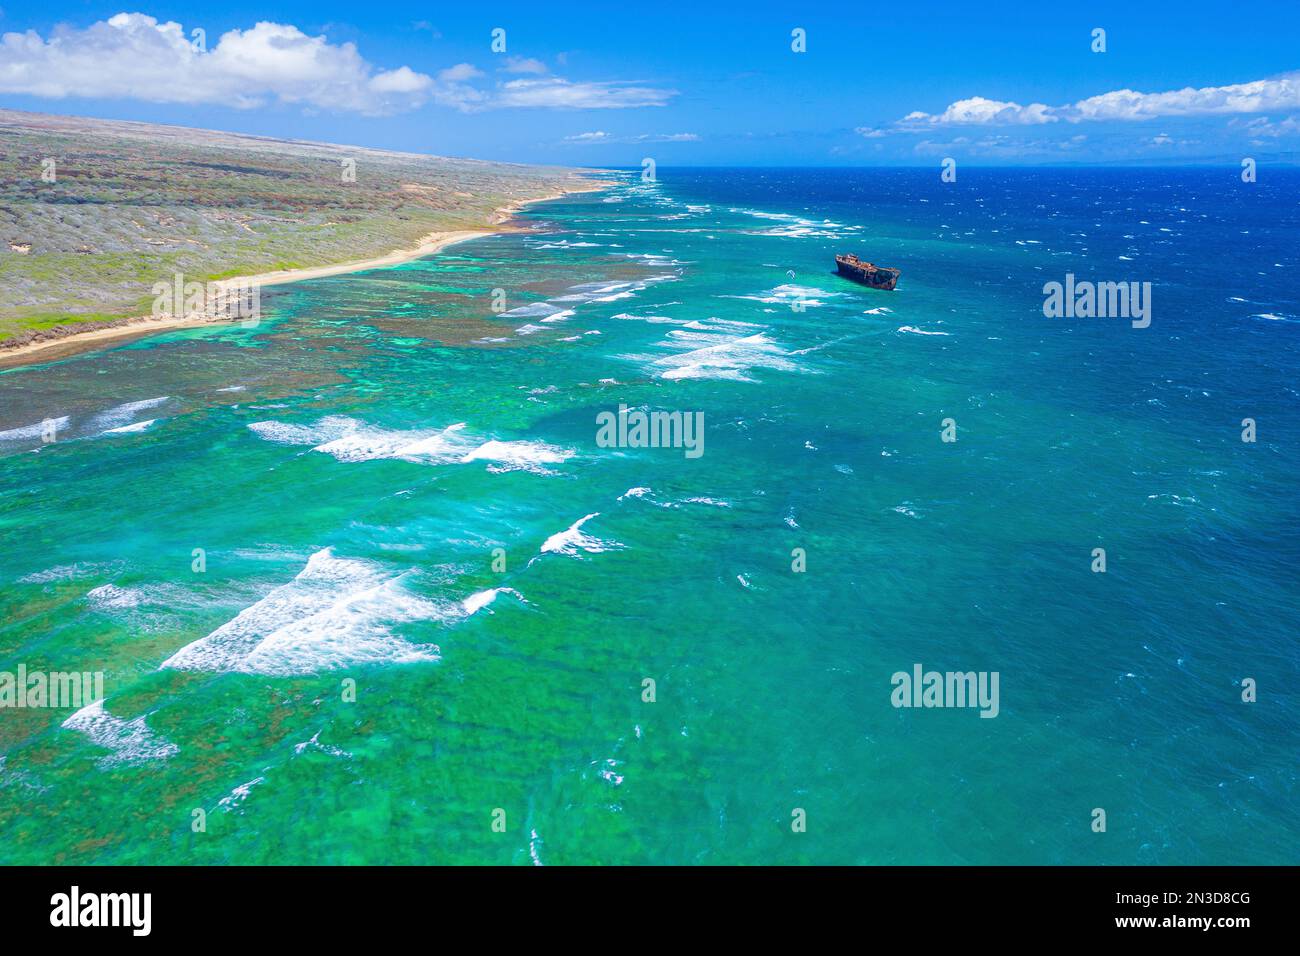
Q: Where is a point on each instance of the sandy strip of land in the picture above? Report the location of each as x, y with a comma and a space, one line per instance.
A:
52, 349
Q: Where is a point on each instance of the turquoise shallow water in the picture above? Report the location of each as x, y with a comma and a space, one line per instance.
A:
353, 469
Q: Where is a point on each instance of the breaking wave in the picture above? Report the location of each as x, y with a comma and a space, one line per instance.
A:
350, 440
336, 612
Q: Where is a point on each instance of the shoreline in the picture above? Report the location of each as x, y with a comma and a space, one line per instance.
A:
77, 342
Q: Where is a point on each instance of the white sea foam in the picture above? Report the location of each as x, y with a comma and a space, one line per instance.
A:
288, 433
519, 456
718, 356
366, 443
573, 539
481, 599
561, 244
713, 324
659, 259
63, 572
239, 794
350, 440
652, 319
34, 431
109, 419
337, 612
315, 744
915, 331
791, 226
588, 291
529, 311
789, 293
127, 429
608, 770
131, 741
111, 597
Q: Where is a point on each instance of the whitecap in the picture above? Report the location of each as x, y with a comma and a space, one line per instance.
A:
131, 741
790, 294
239, 794
336, 612
350, 440
36, 430
573, 539
127, 429
529, 311
519, 456
481, 599
720, 356
110, 418
62, 572
112, 597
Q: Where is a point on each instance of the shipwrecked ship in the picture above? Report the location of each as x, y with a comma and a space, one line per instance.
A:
877, 277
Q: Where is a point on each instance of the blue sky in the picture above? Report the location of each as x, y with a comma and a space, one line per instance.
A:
697, 83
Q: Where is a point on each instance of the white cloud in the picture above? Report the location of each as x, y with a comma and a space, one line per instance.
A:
1281, 92
401, 80
1000, 146
978, 111
134, 56
600, 136
558, 92
519, 64
459, 73
1262, 126
1260, 96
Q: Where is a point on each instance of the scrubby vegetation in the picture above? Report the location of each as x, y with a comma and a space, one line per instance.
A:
131, 204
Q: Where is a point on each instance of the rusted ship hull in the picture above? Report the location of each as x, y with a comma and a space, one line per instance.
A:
864, 273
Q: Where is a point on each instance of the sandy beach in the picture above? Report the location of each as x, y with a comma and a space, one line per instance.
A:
63, 346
